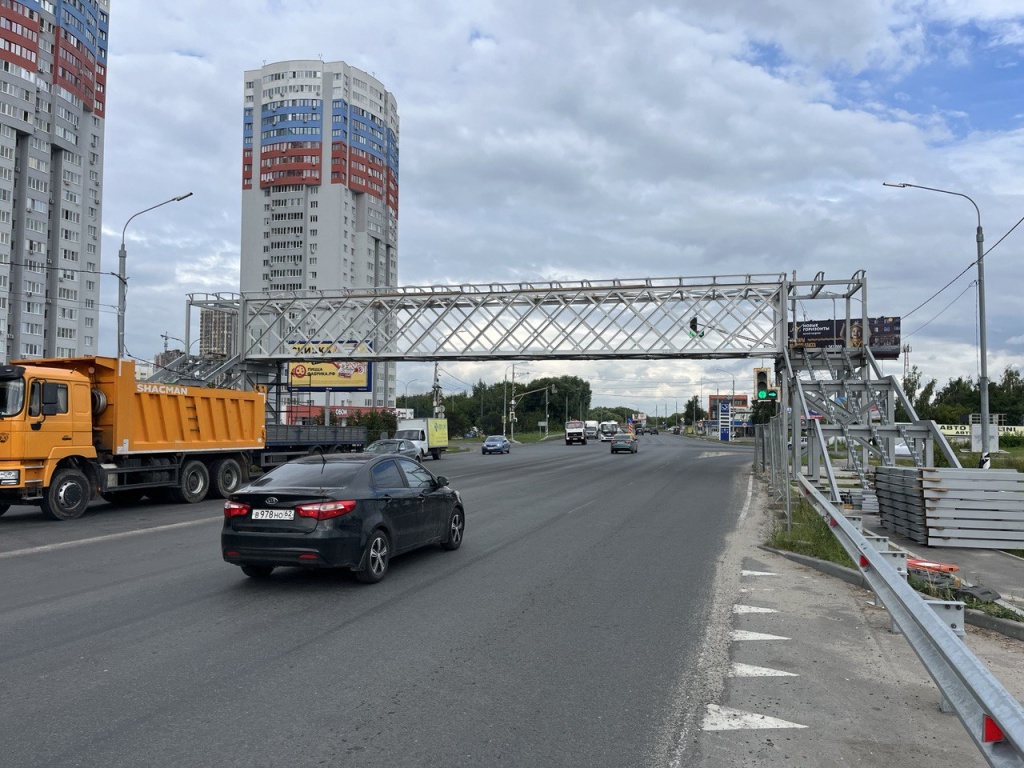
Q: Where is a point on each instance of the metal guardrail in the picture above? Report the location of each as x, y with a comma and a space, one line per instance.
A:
992, 717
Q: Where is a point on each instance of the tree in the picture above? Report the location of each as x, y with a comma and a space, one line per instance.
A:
763, 411
1007, 397
693, 409
956, 401
376, 423
920, 397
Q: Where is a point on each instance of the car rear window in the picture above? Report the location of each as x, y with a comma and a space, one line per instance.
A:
311, 475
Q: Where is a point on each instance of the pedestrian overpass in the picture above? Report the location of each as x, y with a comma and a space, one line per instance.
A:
836, 392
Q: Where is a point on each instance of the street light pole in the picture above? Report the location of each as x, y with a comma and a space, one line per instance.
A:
982, 326
122, 279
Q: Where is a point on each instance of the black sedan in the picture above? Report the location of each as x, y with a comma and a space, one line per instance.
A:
401, 447
353, 511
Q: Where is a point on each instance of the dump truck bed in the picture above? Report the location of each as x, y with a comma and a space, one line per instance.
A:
132, 416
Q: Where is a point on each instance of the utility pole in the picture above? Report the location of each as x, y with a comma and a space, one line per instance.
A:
438, 397
512, 408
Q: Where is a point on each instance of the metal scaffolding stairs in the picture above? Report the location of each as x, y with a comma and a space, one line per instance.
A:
840, 399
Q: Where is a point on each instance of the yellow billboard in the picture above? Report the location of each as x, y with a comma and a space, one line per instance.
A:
335, 375
345, 375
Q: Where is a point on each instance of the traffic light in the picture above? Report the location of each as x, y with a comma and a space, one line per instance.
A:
694, 331
761, 386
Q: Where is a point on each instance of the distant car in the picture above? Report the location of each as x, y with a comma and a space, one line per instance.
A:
399, 446
496, 444
351, 510
624, 441
675, 430
652, 431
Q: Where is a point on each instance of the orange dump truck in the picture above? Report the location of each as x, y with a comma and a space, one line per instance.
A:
76, 427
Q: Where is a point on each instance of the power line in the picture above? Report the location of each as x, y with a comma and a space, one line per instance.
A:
965, 270
941, 311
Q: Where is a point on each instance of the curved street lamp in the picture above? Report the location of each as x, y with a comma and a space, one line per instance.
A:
982, 333
122, 280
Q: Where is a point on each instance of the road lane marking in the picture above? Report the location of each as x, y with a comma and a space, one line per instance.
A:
749, 670
726, 719
742, 634
750, 497
752, 609
108, 537
757, 573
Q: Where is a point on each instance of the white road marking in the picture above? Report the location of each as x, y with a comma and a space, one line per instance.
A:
725, 719
741, 634
757, 573
750, 496
749, 670
752, 609
109, 537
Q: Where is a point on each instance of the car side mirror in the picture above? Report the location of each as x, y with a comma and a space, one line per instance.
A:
442, 481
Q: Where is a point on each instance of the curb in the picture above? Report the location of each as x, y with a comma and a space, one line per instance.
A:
1014, 629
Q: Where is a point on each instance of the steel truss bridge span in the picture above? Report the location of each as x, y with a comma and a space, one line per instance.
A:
736, 316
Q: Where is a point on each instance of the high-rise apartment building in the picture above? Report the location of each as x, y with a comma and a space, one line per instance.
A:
320, 186
52, 98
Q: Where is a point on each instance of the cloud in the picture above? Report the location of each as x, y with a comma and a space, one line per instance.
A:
595, 140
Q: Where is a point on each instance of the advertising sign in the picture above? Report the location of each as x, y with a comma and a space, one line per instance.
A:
823, 334
724, 430
334, 375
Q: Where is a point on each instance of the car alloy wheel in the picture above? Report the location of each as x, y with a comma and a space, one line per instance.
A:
376, 558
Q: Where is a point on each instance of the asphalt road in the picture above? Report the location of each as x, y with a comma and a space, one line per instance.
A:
567, 630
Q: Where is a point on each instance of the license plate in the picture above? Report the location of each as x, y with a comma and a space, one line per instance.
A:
273, 514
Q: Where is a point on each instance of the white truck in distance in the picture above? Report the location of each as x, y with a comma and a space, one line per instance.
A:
429, 435
590, 430
575, 432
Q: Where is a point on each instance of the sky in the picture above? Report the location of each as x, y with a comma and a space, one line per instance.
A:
607, 139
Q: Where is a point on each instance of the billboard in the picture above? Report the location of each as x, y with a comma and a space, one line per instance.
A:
333, 375
823, 334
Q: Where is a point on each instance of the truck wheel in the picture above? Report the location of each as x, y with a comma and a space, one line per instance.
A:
226, 478
68, 495
435, 455
193, 483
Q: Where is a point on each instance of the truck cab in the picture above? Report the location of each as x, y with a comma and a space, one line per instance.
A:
45, 423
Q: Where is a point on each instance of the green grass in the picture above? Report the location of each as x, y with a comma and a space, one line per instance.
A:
809, 535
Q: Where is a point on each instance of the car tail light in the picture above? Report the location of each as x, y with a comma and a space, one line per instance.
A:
236, 509
325, 510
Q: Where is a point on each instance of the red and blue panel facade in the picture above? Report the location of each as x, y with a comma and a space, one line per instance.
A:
289, 141
80, 50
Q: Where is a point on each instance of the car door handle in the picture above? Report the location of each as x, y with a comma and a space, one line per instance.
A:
66, 437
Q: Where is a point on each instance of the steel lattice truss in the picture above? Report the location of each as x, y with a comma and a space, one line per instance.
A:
737, 317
